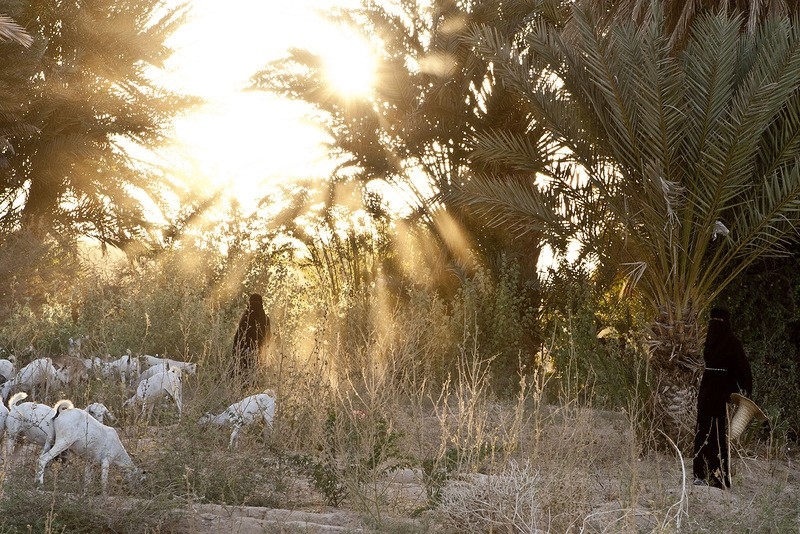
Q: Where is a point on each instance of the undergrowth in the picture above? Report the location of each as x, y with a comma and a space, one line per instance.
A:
386, 408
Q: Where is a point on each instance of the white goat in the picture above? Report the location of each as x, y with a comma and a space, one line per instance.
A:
40, 371
126, 367
77, 431
3, 418
167, 383
94, 366
150, 371
99, 411
244, 413
187, 367
30, 420
7, 368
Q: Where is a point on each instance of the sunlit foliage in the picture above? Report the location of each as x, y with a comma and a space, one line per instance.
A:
412, 133
85, 93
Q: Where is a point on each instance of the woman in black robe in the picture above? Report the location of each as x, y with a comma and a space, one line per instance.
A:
252, 334
726, 371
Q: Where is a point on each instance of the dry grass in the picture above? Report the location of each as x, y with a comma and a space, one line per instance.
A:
444, 459
371, 422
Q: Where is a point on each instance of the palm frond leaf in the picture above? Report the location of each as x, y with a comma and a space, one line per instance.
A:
11, 31
515, 204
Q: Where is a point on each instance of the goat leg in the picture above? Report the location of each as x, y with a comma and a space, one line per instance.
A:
47, 456
104, 475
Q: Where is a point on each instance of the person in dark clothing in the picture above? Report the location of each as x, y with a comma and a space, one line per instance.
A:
726, 371
252, 334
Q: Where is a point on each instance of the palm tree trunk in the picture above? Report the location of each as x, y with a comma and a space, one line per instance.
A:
676, 363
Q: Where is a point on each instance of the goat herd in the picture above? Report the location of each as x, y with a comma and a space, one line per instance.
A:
64, 427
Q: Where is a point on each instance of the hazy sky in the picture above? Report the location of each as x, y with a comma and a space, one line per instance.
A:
240, 139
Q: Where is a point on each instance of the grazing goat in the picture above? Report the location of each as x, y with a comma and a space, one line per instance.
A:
154, 361
94, 366
79, 432
188, 368
3, 418
167, 383
150, 371
7, 369
99, 411
244, 413
40, 371
126, 367
30, 420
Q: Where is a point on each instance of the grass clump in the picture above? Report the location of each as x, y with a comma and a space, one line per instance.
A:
60, 510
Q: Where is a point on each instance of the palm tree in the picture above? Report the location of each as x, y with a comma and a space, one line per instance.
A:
681, 167
86, 95
11, 102
432, 94
679, 14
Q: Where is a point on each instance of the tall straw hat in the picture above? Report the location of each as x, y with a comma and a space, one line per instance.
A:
745, 411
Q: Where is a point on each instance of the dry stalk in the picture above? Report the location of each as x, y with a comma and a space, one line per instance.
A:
504, 502
683, 503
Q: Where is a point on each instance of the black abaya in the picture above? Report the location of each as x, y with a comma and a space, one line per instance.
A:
252, 334
726, 371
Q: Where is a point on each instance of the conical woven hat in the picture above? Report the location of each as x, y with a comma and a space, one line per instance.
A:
745, 411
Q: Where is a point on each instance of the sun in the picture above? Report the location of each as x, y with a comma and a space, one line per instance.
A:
243, 143
349, 64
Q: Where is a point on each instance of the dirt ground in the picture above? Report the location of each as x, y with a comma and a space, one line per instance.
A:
593, 482
314, 518
582, 472
705, 509
214, 519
